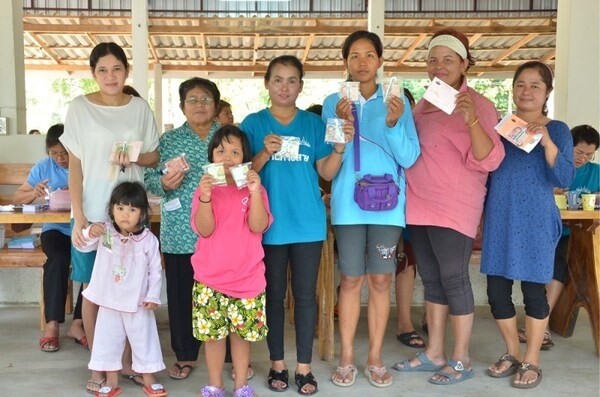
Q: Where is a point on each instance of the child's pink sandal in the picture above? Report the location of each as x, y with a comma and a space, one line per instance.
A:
212, 391
244, 391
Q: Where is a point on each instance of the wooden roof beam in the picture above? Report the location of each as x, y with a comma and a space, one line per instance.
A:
417, 42
520, 43
35, 38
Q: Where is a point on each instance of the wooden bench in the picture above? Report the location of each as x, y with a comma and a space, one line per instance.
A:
11, 177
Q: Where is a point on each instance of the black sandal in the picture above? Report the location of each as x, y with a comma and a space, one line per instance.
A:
303, 380
281, 376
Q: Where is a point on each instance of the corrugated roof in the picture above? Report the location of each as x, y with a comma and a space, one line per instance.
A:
223, 47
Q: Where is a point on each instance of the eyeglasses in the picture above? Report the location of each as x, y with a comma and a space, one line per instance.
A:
205, 101
588, 156
62, 154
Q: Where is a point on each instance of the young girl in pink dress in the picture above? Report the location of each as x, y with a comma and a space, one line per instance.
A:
125, 284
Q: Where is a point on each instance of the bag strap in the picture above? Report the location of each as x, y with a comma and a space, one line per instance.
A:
356, 140
357, 145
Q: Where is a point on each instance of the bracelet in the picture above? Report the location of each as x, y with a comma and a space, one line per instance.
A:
342, 152
473, 123
202, 201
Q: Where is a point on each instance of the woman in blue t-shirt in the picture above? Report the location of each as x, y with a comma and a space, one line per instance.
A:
49, 174
289, 151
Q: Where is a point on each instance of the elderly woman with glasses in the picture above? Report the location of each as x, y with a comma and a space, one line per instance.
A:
183, 151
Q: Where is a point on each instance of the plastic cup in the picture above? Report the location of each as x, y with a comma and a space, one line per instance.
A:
561, 201
588, 202
573, 200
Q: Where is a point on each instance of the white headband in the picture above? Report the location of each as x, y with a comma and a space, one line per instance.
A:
451, 42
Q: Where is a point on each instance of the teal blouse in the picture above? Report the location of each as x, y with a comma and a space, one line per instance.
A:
176, 234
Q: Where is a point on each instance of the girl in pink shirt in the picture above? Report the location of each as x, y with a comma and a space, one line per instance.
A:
229, 292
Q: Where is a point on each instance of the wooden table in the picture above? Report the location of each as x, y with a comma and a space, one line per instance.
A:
582, 284
48, 216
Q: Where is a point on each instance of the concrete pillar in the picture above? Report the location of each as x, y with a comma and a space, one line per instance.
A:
139, 34
12, 68
577, 80
376, 22
158, 99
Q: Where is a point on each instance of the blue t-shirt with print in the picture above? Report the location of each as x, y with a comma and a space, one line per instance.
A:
292, 184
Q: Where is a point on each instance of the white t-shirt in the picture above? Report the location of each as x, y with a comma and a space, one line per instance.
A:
90, 132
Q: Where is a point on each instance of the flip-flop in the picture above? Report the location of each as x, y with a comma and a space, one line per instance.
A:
83, 342
182, 374
155, 390
409, 339
49, 340
345, 371
92, 386
138, 379
108, 391
524, 367
426, 365
379, 371
507, 372
451, 378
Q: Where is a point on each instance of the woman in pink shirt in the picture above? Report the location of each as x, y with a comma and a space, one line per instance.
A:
446, 188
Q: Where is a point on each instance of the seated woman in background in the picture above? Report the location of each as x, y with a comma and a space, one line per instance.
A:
50, 174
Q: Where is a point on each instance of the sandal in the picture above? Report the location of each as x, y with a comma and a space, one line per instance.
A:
380, 372
449, 378
155, 390
244, 391
46, 341
108, 391
344, 372
181, 369
411, 339
522, 333
93, 386
281, 376
524, 367
507, 372
547, 344
249, 373
303, 380
138, 379
212, 391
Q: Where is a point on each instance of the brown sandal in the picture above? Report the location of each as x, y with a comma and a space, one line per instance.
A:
507, 372
524, 367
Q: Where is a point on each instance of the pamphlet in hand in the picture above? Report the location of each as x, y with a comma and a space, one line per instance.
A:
441, 95
392, 87
514, 130
131, 148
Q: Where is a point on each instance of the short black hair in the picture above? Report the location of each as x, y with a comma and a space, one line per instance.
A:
586, 133
53, 134
315, 108
133, 194
223, 133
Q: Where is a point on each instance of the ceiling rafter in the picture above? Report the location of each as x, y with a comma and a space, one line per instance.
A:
42, 46
221, 46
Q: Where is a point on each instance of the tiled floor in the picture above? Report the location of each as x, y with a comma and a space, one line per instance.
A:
571, 368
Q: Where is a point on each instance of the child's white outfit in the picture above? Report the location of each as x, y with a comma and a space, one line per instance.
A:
127, 272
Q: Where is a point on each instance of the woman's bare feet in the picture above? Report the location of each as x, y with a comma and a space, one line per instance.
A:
77, 333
